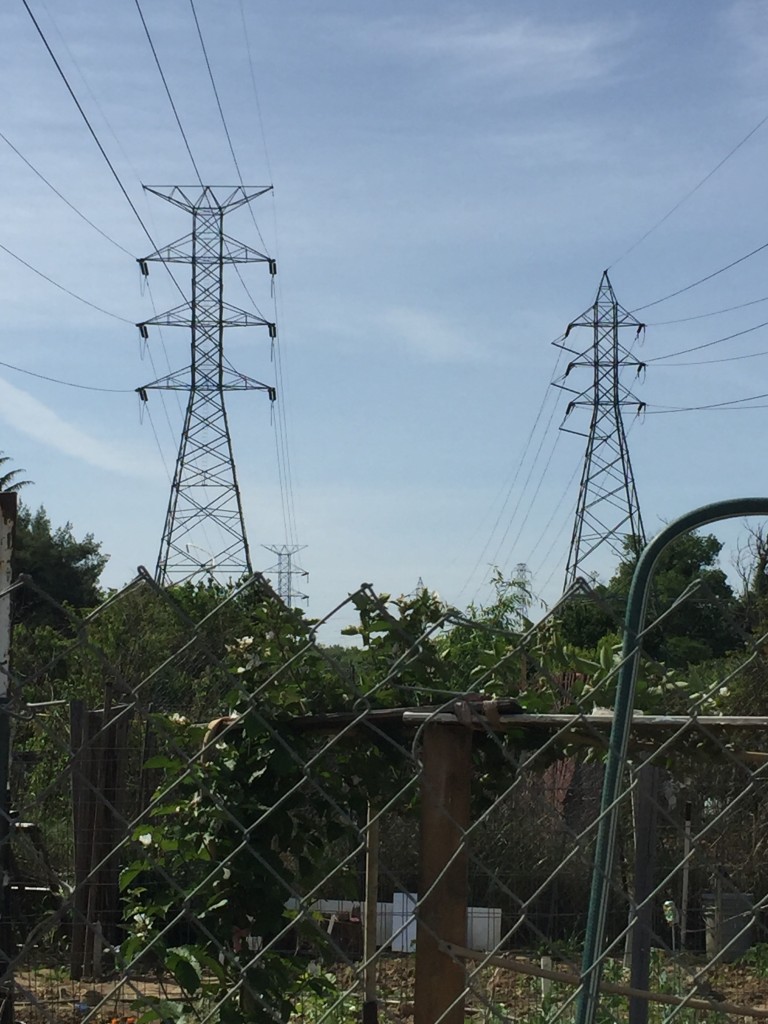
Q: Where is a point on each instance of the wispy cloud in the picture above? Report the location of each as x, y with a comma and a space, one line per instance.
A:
534, 54
32, 417
430, 335
747, 23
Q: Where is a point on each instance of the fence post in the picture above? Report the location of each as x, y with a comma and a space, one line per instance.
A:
646, 813
8, 509
442, 910
370, 995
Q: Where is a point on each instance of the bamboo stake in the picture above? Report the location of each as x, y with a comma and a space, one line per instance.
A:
523, 967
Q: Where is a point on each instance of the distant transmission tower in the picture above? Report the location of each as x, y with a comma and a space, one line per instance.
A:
607, 508
286, 569
205, 512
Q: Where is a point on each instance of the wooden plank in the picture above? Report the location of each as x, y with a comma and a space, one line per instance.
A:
568, 978
650, 722
442, 914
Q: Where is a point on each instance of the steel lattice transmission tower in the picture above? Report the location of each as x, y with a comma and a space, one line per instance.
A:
286, 569
607, 510
205, 511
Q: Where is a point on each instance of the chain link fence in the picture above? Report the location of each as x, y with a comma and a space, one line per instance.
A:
216, 817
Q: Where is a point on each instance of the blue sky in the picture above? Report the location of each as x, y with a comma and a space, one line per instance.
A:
451, 179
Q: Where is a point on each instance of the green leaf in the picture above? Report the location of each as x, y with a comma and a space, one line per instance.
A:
128, 874
184, 971
161, 761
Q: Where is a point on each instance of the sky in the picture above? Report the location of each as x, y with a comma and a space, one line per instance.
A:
450, 182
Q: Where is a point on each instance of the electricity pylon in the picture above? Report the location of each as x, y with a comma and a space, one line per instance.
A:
205, 512
607, 510
286, 570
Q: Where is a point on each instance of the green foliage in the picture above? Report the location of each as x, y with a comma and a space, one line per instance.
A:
65, 568
239, 832
704, 626
8, 477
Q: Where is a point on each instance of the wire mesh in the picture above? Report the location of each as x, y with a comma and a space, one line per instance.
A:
208, 804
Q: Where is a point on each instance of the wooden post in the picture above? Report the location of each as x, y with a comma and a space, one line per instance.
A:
442, 913
370, 1003
647, 795
8, 509
686, 876
82, 827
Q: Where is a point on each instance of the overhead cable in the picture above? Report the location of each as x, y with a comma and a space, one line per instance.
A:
655, 410
255, 90
61, 287
220, 108
63, 198
706, 362
93, 134
707, 344
701, 280
167, 90
693, 190
703, 316
67, 383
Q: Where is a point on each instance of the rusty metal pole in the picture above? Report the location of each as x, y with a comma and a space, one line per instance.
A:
442, 910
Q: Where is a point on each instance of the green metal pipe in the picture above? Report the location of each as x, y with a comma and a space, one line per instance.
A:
605, 851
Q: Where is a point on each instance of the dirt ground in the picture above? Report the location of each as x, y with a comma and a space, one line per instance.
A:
47, 995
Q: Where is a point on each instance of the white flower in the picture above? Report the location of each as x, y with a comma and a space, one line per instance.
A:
145, 839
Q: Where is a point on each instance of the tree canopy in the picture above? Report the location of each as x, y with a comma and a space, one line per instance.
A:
65, 568
704, 626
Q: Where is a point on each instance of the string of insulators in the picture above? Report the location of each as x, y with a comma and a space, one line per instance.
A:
272, 328
143, 331
143, 267
142, 393
272, 266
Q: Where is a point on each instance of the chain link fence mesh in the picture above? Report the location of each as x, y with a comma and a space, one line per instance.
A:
216, 817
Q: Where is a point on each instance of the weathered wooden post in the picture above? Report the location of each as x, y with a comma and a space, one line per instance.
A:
442, 911
8, 509
370, 994
646, 801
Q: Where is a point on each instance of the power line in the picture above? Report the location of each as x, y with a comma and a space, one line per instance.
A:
61, 287
167, 90
255, 91
708, 344
507, 489
703, 316
707, 362
68, 383
701, 280
63, 198
657, 410
93, 134
215, 90
693, 190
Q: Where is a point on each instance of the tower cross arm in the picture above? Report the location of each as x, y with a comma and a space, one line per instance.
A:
216, 197
179, 251
232, 380
182, 316
239, 252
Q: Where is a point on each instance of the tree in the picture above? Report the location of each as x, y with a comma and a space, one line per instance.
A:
8, 481
704, 626
63, 567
